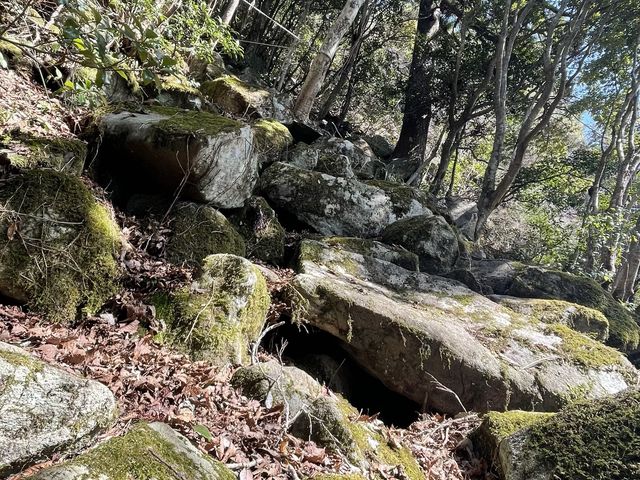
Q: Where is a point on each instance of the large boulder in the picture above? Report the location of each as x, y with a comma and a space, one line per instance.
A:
59, 153
147, 451
202, 156
599, 439
438, 343
199, 231
333, 205
259, 225
58, 245
428, 236
503, 277
271, 138
220, 314
44, 410
238, 97
317, 414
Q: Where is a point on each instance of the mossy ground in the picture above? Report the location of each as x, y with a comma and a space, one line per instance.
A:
594, 440
142, 454
62, 253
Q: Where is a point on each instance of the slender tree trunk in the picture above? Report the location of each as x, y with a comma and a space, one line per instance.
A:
412, 142
321, 63
230, 11
627, 274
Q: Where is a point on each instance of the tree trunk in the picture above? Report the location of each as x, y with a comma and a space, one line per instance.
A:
230, 11
321, 63
412, 142
627, 274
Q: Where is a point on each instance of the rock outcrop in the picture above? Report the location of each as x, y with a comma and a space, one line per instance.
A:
202, 156
220, 314
148, 450
440, 344
333, 205
428, 236
44, 410
54, 215
199, 231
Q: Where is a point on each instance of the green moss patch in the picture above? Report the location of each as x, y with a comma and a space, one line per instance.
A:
584, 350
271, 136
59, 245
595, 440
189, 122
58, 153
143, 454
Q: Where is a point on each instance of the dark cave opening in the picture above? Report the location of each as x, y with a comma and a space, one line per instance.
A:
323, 357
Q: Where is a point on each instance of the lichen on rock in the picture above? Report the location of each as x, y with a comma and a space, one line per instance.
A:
220, 314
272, 137
54, 214
199, 231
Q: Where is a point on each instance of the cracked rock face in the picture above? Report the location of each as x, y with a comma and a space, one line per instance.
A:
45, 410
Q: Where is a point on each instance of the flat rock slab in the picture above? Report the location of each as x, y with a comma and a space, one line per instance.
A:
147, 451
206, 157
442, 345
45, 410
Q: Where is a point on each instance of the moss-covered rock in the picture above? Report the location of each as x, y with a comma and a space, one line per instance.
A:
417, 332
333, 205
62, 154
199, 231
220, 314
272, 137
577, 317
326, 418
534, 282
238, 97
178, 91
367, 248
206, 158
588, 440
428, 236
259, 225
146, 452
45, 410
58, 245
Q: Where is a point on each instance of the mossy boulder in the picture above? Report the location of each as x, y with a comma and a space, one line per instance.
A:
203, 157
333, 205
588, 440
321, 416
199, 231
433, 340
259, 225
428, 236
496, 426
45, 410
220, 314
534, 282
178, 91
582, 319
238, 97
58, 246
58, 153
148, 451
272, 138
